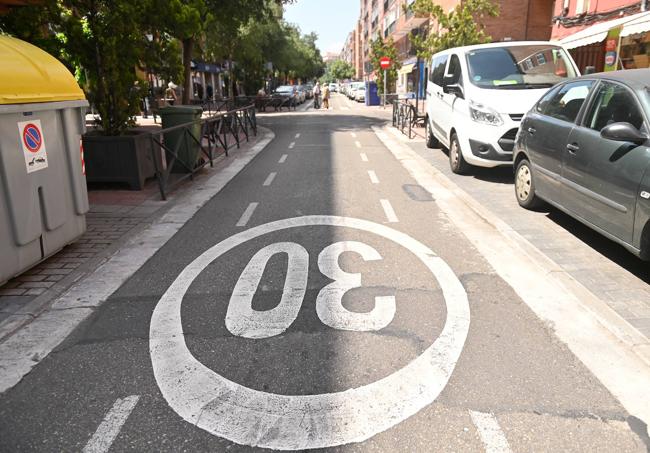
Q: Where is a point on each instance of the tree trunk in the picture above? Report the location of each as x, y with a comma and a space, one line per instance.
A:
188, 46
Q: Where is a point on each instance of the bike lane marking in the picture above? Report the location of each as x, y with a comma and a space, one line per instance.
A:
490, 432
111, 425
290, 422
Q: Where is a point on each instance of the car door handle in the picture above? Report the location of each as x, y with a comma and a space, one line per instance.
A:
532, 130
573, 148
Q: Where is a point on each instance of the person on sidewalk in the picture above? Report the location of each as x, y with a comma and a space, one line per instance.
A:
326, 96
170, 94
317, 95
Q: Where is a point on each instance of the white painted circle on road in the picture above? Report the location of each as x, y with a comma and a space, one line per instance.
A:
293, 422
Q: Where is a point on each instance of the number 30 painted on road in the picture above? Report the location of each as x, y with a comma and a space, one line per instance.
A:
243, 321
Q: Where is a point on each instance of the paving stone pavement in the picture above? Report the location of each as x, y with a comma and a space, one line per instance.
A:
114, 215
606, 269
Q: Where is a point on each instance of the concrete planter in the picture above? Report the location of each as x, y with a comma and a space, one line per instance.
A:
119, 159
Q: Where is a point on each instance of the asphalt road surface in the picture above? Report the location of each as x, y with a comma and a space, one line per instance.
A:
321, 300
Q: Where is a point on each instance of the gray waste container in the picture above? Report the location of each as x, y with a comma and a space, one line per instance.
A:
43, 197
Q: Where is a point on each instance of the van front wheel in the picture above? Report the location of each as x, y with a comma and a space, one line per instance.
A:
457, 162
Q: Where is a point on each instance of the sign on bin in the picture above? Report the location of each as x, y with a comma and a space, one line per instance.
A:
33, 142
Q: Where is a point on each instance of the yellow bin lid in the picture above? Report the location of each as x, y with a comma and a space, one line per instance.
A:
31, 75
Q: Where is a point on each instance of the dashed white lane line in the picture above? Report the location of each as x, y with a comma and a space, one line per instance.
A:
111, 425
357, 144
248, 213
353, 134
490, 432
269, 179
291, 145
364, 157
373, 177
298, 135
389, 211
283, 158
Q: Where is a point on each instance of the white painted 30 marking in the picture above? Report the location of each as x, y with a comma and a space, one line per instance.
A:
243, 321
291, 422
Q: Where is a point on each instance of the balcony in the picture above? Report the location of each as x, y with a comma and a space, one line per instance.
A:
410, 23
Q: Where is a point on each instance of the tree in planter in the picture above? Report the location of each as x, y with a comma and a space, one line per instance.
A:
460, 27
384, 48
105, 38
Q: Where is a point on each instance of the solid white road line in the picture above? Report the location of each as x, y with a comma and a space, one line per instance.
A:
298, 135
364, 157
373, 177
269, 179
291, 145
389, 211
353, 134
357, 144
248, 213
490, 432
111, 425
283, 158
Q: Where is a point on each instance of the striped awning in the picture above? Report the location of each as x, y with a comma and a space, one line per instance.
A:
636, 23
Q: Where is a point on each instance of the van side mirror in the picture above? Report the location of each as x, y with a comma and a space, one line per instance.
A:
623, 132
454, 88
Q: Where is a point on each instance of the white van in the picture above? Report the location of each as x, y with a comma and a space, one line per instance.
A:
478, 95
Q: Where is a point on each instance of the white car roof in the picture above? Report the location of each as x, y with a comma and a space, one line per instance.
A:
466, 49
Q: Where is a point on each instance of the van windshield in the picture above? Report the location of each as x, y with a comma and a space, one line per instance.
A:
519, 67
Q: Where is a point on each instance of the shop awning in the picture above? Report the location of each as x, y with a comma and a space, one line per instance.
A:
636, 23
406, 69
639, 25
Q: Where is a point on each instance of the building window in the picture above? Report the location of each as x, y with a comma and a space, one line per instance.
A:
582, 6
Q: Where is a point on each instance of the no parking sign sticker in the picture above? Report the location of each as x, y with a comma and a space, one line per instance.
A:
33, 143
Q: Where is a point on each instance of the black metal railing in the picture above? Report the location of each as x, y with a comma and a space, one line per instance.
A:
406, 117
210, 136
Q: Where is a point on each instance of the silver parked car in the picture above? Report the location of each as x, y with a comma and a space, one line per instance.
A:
585, 149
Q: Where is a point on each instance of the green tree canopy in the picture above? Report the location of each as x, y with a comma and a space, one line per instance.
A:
460, 27
384, 48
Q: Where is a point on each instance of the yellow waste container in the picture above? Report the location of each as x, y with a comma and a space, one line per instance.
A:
43, 195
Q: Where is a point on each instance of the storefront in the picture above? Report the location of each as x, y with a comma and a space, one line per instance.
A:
411, 78
622, 43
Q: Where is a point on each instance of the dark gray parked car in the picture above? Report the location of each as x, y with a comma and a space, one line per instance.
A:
585, 148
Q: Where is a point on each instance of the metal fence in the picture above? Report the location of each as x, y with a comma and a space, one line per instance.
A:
213, 136
406, 117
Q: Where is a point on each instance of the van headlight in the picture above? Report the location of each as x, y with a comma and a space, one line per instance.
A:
484, 114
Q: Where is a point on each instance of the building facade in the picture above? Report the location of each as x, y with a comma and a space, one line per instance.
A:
517, 20
604, 34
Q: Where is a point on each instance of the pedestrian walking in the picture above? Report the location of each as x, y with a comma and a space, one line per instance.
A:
317, 95
326, 97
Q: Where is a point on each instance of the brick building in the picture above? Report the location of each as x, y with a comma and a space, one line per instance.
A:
518, 20
605, 30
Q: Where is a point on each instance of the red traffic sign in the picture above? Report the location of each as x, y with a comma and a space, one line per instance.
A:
384, 62
32, 137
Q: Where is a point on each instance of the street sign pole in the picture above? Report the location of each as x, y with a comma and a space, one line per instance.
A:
385, 84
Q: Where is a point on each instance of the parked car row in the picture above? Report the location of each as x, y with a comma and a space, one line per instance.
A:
355, 91
299, 92
582, 144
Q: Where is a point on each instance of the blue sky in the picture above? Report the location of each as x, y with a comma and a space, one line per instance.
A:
332, 20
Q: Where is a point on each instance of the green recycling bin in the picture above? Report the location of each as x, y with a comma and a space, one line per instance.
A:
189, 149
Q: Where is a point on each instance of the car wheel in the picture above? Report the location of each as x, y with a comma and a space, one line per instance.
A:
456, 160
432, 141
525, 186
